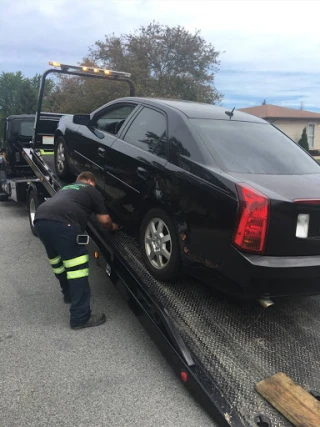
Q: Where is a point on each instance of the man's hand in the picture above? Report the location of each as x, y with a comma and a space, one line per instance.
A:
115, 226
106, 222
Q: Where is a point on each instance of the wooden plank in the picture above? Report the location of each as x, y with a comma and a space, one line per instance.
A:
291, 400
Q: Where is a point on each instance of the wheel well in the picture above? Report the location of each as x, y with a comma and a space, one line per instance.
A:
32, 187
147, 207
57, 134
40, 191
178, 218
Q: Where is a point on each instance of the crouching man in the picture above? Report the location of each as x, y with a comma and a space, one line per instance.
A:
58, 222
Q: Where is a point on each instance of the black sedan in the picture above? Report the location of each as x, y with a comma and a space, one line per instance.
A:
214, 193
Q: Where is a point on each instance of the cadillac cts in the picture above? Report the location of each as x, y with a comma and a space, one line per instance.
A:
209, 192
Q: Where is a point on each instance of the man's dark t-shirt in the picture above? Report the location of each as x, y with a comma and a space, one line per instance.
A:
73, 204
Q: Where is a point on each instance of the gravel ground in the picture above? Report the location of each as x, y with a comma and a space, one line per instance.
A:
112, 375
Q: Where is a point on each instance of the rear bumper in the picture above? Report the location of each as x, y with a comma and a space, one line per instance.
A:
273, 276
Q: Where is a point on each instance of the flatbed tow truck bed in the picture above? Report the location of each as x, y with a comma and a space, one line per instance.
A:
220, 348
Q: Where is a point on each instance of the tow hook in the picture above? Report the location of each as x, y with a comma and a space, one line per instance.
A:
265, 302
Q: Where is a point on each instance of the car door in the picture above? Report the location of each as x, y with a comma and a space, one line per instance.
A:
135, 163
96, 139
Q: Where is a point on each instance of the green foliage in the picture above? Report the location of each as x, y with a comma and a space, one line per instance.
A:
166, 62
83, 95
303, 142
19, 95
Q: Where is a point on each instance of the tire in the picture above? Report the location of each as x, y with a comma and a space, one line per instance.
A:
33, 203
61, 158
154, 257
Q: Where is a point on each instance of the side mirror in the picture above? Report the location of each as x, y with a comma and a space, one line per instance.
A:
81, 119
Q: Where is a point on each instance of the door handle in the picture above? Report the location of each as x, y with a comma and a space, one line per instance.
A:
143, 173
101, 151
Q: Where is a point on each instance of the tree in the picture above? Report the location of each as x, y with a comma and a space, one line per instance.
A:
19, 95
167, 62
83, 95
303, 142
264, 102
10, 96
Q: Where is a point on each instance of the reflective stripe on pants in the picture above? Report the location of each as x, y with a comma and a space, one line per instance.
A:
78, 274
74, 262
56, 264
59, 270
56, 260
76, 265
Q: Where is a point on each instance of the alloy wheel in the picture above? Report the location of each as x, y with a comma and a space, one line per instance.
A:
32, 208
61, 157
158, 243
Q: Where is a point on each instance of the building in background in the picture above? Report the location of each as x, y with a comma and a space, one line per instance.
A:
291, 121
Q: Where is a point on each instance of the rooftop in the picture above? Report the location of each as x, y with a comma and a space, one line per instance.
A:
269, 111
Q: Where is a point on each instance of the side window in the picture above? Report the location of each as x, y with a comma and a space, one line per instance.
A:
113, 118
26, 128
149, 132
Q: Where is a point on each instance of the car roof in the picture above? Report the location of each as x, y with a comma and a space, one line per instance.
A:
198, 110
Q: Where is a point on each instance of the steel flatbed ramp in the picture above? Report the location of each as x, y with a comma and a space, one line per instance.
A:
235, 345
220, 348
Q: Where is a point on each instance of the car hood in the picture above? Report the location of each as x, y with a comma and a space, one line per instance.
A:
284, 187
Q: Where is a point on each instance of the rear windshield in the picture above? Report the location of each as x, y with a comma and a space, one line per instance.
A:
256, 148
26, 128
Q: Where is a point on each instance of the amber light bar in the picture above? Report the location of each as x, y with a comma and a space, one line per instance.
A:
89, 70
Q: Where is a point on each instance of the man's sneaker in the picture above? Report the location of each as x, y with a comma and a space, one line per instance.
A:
67, 299
95, 320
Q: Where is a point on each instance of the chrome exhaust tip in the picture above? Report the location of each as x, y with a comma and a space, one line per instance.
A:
265, 302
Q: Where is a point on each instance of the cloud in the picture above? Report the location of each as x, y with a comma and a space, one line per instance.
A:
246, 88
271, 47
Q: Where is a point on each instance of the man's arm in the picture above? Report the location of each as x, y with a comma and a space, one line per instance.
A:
106, 222
100, 210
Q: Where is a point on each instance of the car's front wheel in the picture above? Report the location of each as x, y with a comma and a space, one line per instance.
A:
34, 202
61, 159
159, 245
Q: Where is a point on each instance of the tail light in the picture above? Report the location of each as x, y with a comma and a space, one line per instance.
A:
253, 217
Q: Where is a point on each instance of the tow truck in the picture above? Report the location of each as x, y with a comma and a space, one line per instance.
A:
221, 349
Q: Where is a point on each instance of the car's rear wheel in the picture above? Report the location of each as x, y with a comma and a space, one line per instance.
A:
159, 245
61, 158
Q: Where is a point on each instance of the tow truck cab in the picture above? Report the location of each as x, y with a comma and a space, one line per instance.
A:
18, 133
15, 173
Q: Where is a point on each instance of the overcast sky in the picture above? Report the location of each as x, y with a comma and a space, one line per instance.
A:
272, 48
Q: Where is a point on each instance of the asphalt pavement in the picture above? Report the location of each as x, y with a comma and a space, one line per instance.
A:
50, 375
